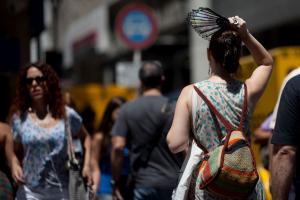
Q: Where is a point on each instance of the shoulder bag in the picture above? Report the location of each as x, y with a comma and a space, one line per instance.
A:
78, 189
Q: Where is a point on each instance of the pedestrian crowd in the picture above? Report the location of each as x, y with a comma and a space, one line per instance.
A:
151, 147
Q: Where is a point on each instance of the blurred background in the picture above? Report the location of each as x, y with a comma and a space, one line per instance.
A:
96, 46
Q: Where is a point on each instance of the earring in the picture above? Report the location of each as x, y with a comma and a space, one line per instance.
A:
209, 71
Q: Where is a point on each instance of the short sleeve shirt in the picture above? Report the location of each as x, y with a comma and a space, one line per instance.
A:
142, 122
45, 149
287, 126
292, 74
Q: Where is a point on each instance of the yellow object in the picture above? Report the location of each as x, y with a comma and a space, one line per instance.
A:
264, 174
285, 60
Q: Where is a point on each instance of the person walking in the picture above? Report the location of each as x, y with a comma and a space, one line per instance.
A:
143, 124
38, 119
225, 93
285, 179
290, 75
101, 151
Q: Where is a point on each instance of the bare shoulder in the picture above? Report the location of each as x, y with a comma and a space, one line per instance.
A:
186, 96
4, 130
4, 127
187, 91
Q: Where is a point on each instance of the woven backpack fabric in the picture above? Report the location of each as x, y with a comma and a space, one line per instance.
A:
229, 170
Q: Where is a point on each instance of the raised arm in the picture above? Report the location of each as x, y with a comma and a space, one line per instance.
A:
260, 77
258, 81
178, 135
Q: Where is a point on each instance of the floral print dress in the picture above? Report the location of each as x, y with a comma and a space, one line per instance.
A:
228, 100
45, 156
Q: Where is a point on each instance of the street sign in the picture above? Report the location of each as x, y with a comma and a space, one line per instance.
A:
127, 74
136, 26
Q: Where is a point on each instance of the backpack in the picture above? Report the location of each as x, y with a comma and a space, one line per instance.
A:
229, 170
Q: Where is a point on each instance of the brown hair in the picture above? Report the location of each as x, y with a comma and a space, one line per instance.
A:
225, 46
53, 94
107, 120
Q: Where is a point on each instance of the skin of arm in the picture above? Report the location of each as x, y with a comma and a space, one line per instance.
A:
7, 141
258, 81
97, 143
283, 168
270, 151
86, 143
179, 133
118, 145
12, 160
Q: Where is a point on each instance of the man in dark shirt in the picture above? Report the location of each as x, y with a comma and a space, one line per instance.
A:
286, 142
144, 123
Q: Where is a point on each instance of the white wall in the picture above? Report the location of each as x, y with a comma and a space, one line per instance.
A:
94, 21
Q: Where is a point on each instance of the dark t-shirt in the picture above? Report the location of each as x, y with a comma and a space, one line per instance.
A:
287, 127
144, 123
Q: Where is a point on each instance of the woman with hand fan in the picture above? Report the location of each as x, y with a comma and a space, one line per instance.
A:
224, 92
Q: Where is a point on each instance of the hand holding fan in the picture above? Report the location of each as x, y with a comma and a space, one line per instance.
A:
206, 22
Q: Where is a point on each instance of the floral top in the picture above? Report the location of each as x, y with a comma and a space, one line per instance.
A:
45, 150
228, 100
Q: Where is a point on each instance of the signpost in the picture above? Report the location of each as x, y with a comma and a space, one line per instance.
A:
136, 27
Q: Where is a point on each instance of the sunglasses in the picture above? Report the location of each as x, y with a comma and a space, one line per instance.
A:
38, 80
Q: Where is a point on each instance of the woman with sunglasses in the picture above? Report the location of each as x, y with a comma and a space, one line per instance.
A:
38, 121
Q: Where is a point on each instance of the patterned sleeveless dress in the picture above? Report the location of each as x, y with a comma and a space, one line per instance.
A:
228, 100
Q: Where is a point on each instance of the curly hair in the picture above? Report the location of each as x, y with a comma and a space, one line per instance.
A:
53, 94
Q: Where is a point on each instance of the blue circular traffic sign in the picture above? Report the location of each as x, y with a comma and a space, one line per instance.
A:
136, 26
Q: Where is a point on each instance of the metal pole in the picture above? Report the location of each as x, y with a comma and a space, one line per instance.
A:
137, 58
198, 48
137, 62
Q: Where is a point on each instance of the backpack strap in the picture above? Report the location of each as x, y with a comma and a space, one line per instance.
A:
226, 123
244, 109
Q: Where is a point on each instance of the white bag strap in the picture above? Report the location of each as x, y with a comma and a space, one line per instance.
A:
192, 159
